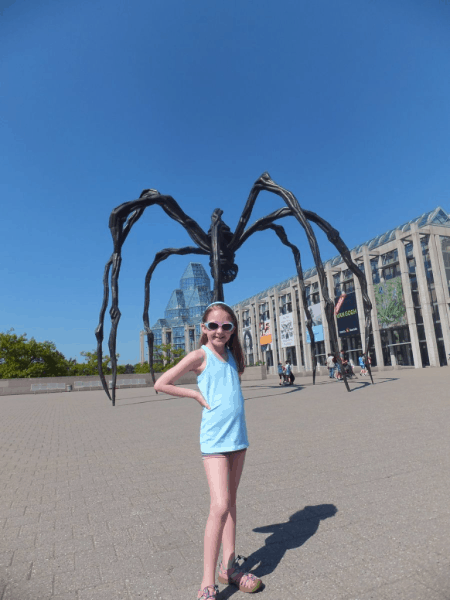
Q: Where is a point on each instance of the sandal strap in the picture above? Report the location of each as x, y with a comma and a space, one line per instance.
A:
244, 579
207, 593
239, 577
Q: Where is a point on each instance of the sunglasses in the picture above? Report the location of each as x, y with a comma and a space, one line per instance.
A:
213, 325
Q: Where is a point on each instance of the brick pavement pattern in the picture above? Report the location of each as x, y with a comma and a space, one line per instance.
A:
343, 497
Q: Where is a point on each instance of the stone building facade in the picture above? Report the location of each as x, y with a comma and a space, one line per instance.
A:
408, 274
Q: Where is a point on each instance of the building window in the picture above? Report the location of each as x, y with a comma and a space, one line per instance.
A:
445, 246
246, 318
285, 304
337, 284
424, 243
299, 332
390, 272
409, 251
374, 267
389, 258
308, 295
348, 286
264, 314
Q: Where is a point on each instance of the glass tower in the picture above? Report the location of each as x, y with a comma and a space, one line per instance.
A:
185, 309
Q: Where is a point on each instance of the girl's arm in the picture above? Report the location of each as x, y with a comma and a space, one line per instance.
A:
192, 362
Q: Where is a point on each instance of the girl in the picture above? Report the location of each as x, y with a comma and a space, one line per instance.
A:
223, 439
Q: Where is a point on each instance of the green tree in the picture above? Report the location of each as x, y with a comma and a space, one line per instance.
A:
90, 365
20, 357
142, 368
165, 356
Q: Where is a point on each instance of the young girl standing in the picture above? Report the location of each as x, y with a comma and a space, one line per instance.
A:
223, 439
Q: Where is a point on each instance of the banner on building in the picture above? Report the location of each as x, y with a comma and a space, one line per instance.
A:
265, 333
391, 310
317, 323
347, 315
247, 339
287, 330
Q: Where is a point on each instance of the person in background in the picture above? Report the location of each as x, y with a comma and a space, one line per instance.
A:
281, 373
362, 365
287, 371
331, 364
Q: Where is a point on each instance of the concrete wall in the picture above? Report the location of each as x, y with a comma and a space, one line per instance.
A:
44, 385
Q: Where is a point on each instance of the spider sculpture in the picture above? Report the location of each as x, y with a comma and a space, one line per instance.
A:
221, 244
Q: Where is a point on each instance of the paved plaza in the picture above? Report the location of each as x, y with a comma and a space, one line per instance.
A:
344, 496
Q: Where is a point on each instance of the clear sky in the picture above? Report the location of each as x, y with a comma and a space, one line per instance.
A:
344, 103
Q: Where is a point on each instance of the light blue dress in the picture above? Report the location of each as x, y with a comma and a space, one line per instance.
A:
223, 427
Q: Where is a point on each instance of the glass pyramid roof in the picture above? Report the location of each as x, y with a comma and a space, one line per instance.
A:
188, 302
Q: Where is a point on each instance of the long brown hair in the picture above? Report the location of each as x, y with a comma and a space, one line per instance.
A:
233, 343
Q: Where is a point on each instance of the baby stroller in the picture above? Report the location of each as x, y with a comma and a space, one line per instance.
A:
348, 371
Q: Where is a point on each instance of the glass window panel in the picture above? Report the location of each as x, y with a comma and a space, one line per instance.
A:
389, 257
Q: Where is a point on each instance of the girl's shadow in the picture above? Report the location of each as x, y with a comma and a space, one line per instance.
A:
286, 536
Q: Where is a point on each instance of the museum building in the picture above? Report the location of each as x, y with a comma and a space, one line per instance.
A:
408, 275
183, 315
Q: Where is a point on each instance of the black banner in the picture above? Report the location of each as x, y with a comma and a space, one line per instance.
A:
347, 317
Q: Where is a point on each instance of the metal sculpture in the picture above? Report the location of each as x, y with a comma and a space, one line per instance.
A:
221, 245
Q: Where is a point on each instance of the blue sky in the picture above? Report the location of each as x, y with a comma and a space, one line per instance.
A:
344, 103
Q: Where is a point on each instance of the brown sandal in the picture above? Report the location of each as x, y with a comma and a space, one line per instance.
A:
209, 592
246, 582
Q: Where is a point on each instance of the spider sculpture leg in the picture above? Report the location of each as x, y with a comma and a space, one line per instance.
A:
263, 224
121, 220
336, 240
223, 267
215, 258
266, 183
99, 330
159, 257
279, 230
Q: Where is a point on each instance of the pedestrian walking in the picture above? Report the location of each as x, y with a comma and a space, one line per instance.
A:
281, 373
337, 372
363, 370
223, 440
331, 364
288, 373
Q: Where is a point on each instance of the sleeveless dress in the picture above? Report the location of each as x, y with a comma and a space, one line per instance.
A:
223, 427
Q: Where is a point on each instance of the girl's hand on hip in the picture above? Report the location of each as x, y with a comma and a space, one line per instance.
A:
202, 401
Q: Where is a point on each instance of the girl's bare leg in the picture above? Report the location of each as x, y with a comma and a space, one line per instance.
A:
218, 475
236, 465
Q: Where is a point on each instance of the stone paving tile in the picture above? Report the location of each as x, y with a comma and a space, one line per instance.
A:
435, 576
357, 579
6, 558
37, 588
111, 591
411, 589
350, 504
67, 596
51, 566
313, 589
77, 580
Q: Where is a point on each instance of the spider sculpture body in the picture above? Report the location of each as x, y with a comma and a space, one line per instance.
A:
221, 244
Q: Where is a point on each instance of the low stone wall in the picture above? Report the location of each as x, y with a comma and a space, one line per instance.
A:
36, 385
44, 385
